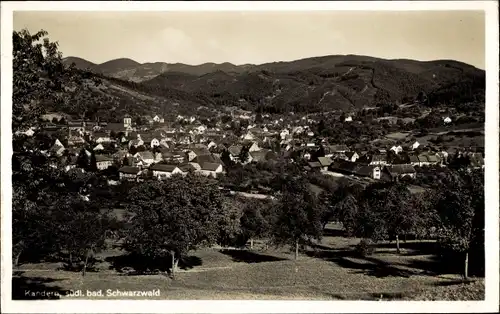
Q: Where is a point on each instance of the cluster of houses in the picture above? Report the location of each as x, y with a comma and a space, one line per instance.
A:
162, 151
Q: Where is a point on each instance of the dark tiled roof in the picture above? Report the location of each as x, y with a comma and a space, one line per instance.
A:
200, 151
210, 166
262, 155
99, 158
325, 161
336, 148
235, 149
129, 170
355, 168
163, 167
146, 155
400, 169
186, 167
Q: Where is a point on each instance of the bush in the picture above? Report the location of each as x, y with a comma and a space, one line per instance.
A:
365, 247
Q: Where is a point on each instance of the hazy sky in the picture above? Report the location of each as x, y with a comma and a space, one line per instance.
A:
259, 37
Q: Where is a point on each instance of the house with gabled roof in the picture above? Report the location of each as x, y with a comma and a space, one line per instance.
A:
211, 169
129, 173
187, 168
325, 162
101, 137
378, 160
249, 136
164, 171
103, 161
136, 143
158, 119
195, 152
397, 172
146, 157
351, 156
262, 155
234, 151
423, 160
414, 160
98, 147
57, 149
336, 151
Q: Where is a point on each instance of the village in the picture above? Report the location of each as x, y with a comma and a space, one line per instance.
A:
159, 150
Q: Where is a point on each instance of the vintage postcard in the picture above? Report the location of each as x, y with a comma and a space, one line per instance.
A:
238, 156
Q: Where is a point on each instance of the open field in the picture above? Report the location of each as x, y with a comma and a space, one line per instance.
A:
329, 271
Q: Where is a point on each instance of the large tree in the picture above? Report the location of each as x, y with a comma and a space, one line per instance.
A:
255, 220
80, 227
461, 209
40, 81
172, 217
298, 215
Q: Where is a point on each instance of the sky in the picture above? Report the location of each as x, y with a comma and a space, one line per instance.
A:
261, 37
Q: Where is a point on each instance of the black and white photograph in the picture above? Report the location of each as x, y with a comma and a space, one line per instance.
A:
266, 154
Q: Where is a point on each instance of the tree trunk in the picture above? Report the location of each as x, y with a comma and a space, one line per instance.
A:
70, 260
85, 263
16, 259
297, 249
397, 244
174, 264
466, 268
251, 244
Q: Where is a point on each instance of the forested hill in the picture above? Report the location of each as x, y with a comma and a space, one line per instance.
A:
307, 85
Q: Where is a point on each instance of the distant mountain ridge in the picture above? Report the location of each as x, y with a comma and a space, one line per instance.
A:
336, 82
129, 69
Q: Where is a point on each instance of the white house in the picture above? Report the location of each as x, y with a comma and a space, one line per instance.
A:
397, 149
158, 119
98, 147
103, 162
151, 142
254, 147
28, 132
210, 169
57, 149
447, 120
146, 157
298, 130
164, 171
129, 173
136, 143
249, 136
348, 119
102, 138
351, 156
212, 144
415, 145
127, 122
284, 133
310, 133
378, 160
377, 173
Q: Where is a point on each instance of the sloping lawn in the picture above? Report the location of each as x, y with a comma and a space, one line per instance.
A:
331, 270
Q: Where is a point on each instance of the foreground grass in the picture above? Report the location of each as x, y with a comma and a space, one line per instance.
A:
330, 271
